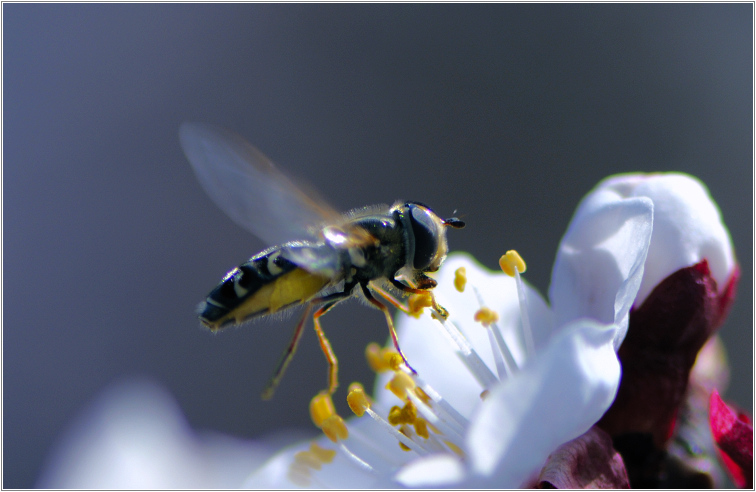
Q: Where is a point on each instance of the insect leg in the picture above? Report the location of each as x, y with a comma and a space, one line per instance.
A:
325, 346
375, 302
333, 363
288, 354
391, 299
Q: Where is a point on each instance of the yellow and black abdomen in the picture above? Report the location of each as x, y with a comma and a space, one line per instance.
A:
263, 285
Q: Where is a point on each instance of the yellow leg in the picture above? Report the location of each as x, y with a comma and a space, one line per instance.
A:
391, 299
375, 302
325, 345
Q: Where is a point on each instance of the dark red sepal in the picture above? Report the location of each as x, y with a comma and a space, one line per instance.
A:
588, 461
733, 433
664, 336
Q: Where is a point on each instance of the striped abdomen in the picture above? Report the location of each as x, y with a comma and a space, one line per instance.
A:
263, 285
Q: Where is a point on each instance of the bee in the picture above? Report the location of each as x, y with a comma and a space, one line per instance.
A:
317, 257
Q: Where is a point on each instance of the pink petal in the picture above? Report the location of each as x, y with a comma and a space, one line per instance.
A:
587, 462
733, 433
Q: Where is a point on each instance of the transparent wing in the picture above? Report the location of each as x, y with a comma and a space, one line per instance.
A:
250, 189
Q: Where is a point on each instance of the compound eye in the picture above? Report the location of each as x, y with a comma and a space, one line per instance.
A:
425, 230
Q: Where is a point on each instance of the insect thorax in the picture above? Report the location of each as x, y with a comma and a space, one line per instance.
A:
383, 258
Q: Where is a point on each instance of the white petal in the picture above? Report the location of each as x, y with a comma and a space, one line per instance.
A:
433, 356
688, 226
599, 265
557, 397
438, 470
274, 474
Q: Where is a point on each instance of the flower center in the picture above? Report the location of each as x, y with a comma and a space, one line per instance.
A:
425, 422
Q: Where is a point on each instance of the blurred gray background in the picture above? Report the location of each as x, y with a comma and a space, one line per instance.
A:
508, 114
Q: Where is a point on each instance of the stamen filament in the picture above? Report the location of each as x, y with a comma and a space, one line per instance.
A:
356, 459
389, 460
511, 364
430, 444
445, 444
398, 435
447, 429
469, 356
501, 367
445, 411
527, 332
512, 264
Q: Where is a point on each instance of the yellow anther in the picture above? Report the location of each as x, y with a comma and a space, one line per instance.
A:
486, 316
510, 261
460, 279
484, 394
394, 360
400, 384
404, 415
322, 454
308, 459
422, 395
404, 446
394, 415
382, 359
418, 302
321, 408
334, 428
454, 448
357, 399
421, 427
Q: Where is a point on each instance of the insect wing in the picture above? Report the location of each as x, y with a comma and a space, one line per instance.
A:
250, 189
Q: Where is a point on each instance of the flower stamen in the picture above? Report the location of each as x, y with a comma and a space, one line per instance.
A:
417, 302
401, 384
306, 461
361, 409
382, 359
438, 406
426, 422
469, 356
512, 264
505, 363
486, 316
324, 416
357, 399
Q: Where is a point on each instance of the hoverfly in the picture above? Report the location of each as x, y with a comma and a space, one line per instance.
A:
318, 257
